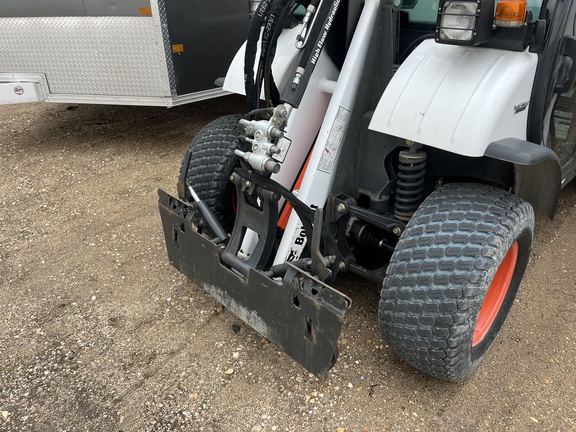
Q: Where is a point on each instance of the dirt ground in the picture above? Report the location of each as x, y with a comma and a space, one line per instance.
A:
99, 333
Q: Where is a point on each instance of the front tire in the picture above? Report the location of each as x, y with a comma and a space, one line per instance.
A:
453, 277
210, 161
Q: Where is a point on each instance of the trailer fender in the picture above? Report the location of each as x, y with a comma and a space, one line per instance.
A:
538, 176
459, 99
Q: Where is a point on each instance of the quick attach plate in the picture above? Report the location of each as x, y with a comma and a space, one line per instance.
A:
299, 313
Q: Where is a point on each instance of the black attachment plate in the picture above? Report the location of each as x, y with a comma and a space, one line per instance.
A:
300, 314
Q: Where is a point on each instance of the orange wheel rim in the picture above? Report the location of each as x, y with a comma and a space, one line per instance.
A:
495, 295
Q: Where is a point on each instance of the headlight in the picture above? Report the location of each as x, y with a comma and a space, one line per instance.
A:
464, 22
458, 21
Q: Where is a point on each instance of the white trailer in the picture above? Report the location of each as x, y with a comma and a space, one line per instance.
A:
121, 52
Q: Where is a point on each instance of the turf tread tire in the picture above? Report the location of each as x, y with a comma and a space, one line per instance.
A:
211, 162
441, 270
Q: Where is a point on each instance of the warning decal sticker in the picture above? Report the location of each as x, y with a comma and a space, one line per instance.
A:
334, 142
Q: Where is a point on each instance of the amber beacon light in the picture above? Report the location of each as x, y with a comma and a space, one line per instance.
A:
510, 13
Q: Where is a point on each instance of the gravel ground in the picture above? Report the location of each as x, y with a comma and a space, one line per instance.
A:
99, 333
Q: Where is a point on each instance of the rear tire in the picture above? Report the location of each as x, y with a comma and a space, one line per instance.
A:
211, 163
453, 277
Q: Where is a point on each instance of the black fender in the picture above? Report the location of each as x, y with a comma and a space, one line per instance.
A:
537, 172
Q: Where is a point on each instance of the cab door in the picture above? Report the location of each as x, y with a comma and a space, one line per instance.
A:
552, 115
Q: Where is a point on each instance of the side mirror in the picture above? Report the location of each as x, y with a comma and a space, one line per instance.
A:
566, 70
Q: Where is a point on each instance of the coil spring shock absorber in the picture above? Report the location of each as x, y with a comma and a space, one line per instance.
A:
410, 184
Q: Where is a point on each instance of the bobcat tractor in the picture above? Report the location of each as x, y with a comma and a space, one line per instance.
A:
407, 141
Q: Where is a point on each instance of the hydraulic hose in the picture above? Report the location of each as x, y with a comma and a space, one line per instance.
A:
308, 57
272, 15
250, 54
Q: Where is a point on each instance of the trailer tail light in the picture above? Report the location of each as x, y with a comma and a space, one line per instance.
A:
511, 13
464, 22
